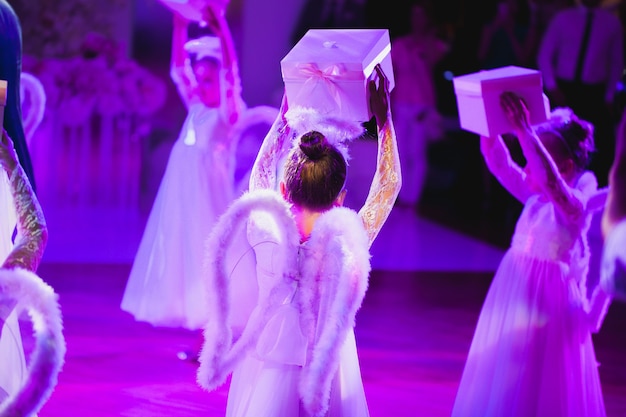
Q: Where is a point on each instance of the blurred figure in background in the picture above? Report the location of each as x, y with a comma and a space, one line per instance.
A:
581, 59
197, 185
507, 38
413, 100
613, 271
330, 14
541, 14
532, 353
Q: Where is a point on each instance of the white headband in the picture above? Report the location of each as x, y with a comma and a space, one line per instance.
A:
205, 47
338, 132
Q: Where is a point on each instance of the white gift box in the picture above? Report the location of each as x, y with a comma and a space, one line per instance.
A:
478, 98
328, 70
3, 100
192, 9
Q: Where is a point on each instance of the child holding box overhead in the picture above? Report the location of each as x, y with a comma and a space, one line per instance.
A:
532, 353
294, 354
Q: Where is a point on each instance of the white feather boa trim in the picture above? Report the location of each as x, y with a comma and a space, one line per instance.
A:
40, 301
338, 132
332, 288
219, 355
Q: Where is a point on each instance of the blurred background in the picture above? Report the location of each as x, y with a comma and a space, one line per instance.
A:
112, 113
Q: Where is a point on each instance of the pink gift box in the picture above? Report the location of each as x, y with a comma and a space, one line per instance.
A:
192, 9
3, 100
478, 98
328, 70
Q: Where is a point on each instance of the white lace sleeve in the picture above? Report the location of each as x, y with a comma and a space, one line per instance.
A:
265, 170
31, 225
385, 185
569, 201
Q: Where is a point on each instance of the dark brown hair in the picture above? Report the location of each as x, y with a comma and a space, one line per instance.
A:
575, 134
315, 173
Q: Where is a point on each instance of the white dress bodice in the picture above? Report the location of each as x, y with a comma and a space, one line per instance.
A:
543, 233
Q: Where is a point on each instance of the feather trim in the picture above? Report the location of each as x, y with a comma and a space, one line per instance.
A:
40, 301
219, 354
332, 288
338, 132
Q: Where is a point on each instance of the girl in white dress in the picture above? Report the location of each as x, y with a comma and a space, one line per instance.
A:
613, 271
532, 352
197, 185
294, 352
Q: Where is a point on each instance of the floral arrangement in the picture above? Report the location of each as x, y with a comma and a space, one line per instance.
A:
98, 80
57, 28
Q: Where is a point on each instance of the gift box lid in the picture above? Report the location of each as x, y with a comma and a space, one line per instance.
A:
358, 50
497, 79
3, 93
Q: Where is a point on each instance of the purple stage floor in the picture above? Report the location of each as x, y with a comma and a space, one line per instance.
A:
413, 334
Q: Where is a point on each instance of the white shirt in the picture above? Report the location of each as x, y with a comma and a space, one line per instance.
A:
560, 46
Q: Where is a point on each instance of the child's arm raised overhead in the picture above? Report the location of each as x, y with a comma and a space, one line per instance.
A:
501, 165
388, 178
232, 88
543, 168
179, 71
264, 174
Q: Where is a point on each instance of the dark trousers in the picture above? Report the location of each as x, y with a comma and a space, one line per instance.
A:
587, 101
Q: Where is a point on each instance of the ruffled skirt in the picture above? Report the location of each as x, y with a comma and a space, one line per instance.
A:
532, 353
269, 388
166, 280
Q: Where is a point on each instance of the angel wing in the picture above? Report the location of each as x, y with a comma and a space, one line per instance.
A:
40, 301
334, 279
250, 254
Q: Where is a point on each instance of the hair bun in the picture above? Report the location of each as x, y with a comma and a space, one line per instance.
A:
314, 145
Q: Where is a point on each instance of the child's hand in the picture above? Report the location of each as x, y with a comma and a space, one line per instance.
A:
515, 110
379, 97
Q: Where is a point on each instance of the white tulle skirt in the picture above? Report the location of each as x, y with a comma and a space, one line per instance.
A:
532, 353
165, 283
270, 389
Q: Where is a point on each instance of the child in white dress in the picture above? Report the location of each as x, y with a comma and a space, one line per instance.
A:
532, 353
197, 185
295, 352
613, 272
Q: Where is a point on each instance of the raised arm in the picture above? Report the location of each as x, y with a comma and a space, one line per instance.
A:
230, 67
539, 161
264, 174
179, 66
387, 178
